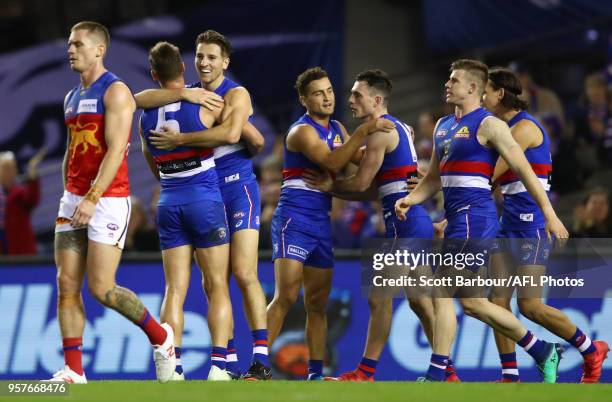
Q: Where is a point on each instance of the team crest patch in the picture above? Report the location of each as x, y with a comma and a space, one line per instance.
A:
463, 132
337, 141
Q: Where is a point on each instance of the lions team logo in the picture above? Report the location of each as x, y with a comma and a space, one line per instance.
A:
463, 132
337, 141
84, 136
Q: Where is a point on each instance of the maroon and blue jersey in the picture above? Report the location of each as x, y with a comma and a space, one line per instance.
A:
84, 117
466, 166
296, 197
186, 174
520, 211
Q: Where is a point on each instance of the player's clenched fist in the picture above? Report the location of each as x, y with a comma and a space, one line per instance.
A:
402, 206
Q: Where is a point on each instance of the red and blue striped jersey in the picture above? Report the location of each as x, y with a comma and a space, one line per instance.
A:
520, 211
466, 166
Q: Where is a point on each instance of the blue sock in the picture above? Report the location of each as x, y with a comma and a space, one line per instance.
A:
367, 367
437, 367
232, 358
179, 365
509, 366
536, 348
450, 368
315, 368
218, 356
260, 346
582, 342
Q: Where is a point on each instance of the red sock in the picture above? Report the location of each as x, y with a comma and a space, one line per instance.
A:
156, 333
73, 354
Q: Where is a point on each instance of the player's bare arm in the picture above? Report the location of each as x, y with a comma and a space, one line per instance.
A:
497, 134
426, 188
147, 154
527, 135
376, 146
150, 98
120, 107
235, 117
304, 139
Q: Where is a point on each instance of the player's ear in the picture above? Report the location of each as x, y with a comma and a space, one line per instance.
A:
302, 100
501, 94
101, 50
226, 62
154, 75
182, 67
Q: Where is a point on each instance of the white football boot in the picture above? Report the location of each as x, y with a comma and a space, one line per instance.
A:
67, 375
164, 356
216, 374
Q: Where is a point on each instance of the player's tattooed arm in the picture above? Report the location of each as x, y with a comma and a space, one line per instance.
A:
75, 240
125, 302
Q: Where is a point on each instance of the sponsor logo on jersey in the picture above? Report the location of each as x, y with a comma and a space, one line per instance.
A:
441, 133
88, 106
526, 217
239, 214
112, 226
239, 223
463, 132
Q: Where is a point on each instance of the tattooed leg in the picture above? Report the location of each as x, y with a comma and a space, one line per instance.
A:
70, 252
125, 302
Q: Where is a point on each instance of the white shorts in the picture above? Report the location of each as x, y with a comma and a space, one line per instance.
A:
109, 223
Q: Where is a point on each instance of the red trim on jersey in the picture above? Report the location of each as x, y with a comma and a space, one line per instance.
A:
293, 172
396, 173
202, 153
540, 169
483, 168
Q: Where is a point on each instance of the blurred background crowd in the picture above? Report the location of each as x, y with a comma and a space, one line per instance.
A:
562, 51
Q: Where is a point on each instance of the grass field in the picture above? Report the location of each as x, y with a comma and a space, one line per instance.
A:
286, 391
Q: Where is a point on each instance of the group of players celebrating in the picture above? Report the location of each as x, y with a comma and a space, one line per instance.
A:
198, 141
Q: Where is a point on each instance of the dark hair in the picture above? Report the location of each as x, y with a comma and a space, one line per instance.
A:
165, 60
94, 27
312, 74
500, 77
214, 37
475, 68
377, 79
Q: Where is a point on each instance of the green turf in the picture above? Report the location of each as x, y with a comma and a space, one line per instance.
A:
286, 391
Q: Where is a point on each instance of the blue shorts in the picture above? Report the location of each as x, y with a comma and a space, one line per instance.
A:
527, 247
473, 234
242, 205
297, 240
201, 224
418, 227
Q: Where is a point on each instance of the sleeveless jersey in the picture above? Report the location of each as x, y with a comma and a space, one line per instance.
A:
186, 173
84, 117
233, 162
397, 167
466, 166
520, 211
296, 199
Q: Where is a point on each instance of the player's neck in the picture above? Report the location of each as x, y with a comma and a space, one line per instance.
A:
378, 113
319, 119
465, 108
174, 84
90, 76
211, 86
508, 115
